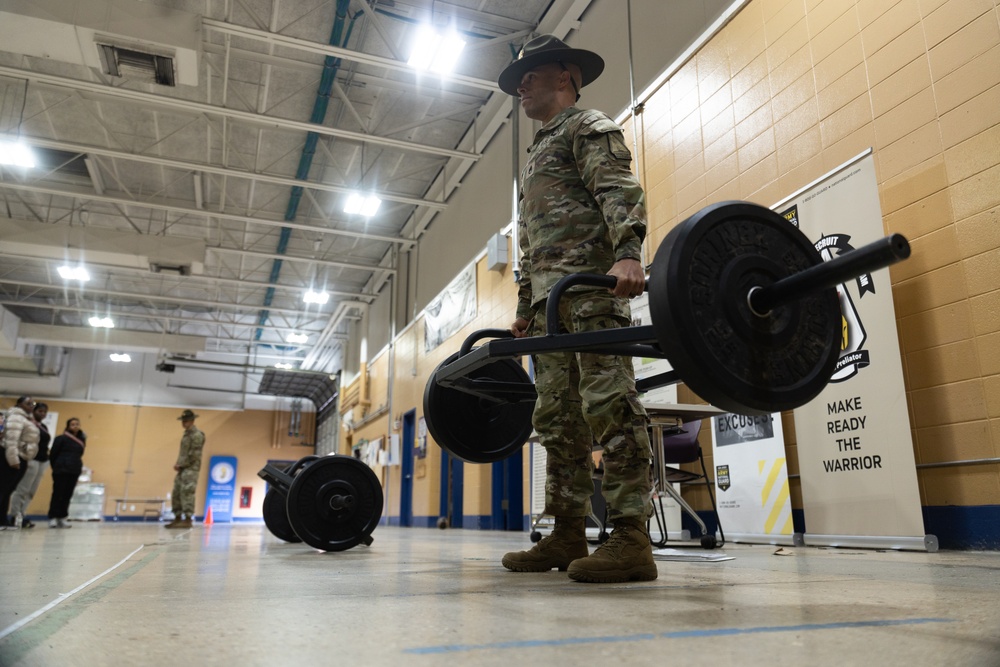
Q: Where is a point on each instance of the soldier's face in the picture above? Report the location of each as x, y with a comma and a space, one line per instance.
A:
537, 91
187, 423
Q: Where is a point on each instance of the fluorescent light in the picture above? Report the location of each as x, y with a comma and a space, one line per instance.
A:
104, 322
297, 338
424, 46
435, 51
16, 154
449, 49
316, 297
74, 273
366, 206
282, 366
121, 357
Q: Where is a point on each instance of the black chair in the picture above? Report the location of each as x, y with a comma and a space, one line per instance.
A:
681, 448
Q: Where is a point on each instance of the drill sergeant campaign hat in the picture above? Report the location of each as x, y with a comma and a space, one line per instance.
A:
187, 415
549, 49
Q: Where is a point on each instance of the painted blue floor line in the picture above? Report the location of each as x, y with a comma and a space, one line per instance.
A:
680, 634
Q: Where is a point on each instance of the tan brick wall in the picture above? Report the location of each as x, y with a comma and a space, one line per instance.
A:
790, 89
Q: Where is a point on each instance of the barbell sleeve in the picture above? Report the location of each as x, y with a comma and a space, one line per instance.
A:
867, 258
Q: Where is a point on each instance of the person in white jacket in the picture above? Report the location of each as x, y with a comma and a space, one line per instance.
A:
20, 444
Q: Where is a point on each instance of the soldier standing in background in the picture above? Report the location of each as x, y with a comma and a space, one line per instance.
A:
188, 467
581, 210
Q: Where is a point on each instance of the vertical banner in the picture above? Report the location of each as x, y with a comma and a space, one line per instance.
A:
221, 488
859, 479
751, 479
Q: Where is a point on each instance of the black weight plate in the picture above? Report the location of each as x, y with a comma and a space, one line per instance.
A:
729, 356
301, 463
334, 503
475, 429
276, 516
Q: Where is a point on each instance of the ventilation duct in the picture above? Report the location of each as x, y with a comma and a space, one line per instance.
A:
167, 254
137, 64
136, 40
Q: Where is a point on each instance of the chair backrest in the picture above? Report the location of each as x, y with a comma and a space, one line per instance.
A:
683, 447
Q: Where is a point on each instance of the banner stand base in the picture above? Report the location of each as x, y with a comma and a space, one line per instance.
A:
794, 540
928, 543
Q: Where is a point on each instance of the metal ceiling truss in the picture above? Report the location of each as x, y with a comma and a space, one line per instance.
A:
190, 106
165, 320
151, 168
188, 210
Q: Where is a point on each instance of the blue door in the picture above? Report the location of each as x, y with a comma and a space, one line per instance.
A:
508, 493
406, 471
452, 471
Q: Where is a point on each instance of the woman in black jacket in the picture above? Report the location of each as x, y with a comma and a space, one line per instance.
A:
66, 459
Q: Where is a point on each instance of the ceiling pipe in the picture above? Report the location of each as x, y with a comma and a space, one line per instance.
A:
338, 316
320, 105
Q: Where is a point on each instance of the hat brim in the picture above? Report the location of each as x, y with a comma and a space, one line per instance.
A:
591, 66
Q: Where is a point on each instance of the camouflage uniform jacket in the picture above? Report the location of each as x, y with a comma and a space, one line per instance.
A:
192, 443
580, 209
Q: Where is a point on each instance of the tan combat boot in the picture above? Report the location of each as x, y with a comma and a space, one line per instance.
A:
567, 543
626, 556
180, 521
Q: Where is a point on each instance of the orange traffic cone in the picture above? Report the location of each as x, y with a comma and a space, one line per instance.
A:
208, 516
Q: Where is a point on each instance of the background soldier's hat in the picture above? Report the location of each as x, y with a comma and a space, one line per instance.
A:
187, 415
549, 49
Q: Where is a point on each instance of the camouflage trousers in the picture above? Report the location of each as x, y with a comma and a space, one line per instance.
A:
182, 497
587, 399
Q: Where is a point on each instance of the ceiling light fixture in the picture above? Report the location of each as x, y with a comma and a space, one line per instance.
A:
101, 322
435, 51
74, 273
124, 358
282, 366
316, 297
297, 337
361, 204
16, 154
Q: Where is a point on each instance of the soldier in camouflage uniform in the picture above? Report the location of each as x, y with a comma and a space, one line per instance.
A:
188, 467
581, 211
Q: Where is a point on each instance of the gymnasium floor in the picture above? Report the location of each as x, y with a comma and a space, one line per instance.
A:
137, 594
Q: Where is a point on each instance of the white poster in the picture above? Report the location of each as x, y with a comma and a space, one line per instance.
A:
859, 481
646, 366
751, 478
450, 310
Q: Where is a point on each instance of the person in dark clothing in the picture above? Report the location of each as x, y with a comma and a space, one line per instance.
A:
66, 459
28, 485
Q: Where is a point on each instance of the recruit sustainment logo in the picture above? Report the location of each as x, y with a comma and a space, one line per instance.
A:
853, 356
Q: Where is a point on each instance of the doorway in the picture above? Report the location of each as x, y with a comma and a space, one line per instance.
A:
406, 469
508, 493
452, 473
